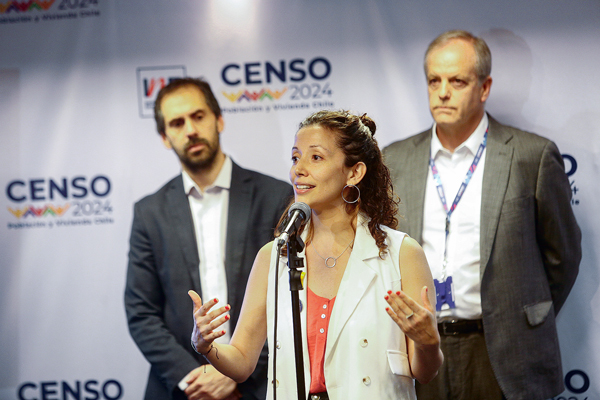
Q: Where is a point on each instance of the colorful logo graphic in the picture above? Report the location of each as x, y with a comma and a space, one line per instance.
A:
34, 11
24, 6
34, 201
296, 80
32, 211
254, 96
149, 82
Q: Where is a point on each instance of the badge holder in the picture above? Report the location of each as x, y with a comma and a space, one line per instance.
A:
444, 293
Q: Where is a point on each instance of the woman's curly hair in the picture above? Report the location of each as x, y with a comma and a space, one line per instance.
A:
355, 137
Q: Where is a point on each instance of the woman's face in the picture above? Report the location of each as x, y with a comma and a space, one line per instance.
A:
318, 173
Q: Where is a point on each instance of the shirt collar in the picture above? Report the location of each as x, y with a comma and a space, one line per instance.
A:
223, 180
472, 143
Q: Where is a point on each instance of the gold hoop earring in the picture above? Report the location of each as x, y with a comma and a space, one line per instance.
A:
357, 197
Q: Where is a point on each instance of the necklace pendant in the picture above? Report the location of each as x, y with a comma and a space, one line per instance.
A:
327, 262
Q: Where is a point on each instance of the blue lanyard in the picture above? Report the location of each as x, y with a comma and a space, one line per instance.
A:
461, 190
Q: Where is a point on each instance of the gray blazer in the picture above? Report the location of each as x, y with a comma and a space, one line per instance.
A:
163, 266
530, 249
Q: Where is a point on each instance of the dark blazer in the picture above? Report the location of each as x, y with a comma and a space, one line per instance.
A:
530, 249
163, 266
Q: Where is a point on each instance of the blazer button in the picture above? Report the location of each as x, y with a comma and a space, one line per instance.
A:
276, 383
367, 381
278, 345
364, 342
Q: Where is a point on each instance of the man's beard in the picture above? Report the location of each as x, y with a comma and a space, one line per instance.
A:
202, 161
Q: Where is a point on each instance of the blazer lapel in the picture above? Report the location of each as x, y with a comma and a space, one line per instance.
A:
416, 165
357, 278
495, 181
238, 215
182, 226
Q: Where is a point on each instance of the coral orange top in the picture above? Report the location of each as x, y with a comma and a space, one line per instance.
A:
318, 311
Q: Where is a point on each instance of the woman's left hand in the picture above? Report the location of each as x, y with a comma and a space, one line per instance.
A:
416, 321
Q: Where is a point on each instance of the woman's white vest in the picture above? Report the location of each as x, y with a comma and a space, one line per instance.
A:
366, 355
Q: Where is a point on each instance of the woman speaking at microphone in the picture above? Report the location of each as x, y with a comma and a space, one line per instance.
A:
368, 325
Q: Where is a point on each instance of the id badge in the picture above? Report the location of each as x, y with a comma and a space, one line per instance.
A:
444, 293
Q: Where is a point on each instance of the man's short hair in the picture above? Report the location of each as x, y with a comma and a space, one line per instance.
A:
483, 63
176, 84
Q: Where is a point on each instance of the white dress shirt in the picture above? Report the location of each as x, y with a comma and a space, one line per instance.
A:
463, 256
209, 212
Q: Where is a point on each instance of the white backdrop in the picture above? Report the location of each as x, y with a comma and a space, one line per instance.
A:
78, 148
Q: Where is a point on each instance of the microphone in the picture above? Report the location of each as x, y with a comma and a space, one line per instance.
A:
299, 215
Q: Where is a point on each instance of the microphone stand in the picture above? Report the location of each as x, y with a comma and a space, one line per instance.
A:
296, 245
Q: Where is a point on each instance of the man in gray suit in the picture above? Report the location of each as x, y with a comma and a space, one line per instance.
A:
200, 231
490, 205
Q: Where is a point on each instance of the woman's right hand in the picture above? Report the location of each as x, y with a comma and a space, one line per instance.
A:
206, 321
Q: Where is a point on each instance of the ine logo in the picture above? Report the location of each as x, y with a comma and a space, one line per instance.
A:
149, 82
570, 169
